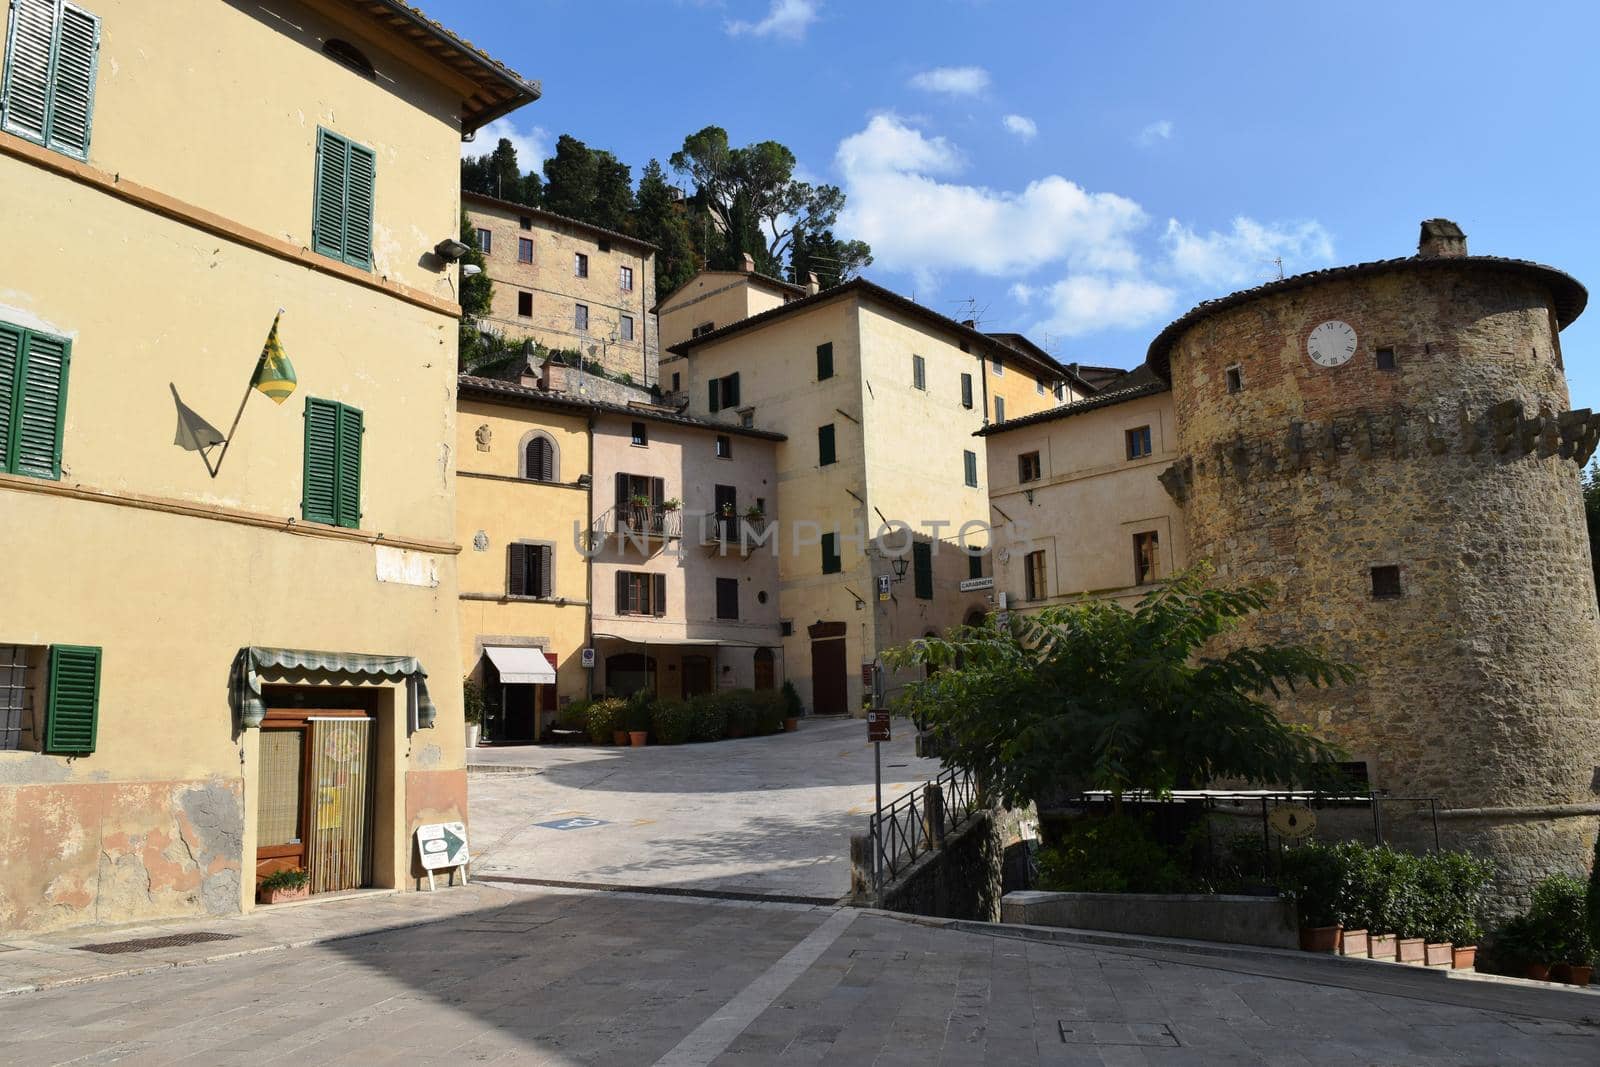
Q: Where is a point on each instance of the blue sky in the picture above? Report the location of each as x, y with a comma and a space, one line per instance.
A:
1087, 172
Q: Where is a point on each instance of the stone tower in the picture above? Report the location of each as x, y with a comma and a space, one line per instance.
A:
1389, 443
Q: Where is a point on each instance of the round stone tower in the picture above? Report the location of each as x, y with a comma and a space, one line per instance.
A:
1389, 444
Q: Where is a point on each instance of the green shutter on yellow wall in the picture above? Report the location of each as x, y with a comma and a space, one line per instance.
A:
33, 387
349, 467
341, 213
47, 96
332, 488
72, 81
72, 710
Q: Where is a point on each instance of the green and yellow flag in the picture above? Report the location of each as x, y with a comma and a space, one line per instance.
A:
274, 373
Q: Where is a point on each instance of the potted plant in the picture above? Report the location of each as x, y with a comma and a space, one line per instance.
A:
671, 504
754, 513
1466, 879
1316, 877
1560, 917
472, 710
290, 883
1354, 939
637, 717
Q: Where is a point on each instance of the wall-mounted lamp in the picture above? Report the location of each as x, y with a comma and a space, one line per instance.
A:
584, 480
900, 563
450, 250
470, 269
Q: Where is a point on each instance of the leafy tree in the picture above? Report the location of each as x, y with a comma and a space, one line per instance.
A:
1591, 513
587, 184
657, 218
499, 174
477, 293
1094, 696
833, 261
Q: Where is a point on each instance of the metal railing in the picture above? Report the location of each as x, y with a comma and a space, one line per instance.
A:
638, 521
914, 824
739, 532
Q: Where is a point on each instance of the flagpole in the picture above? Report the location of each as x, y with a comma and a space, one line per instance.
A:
237, 415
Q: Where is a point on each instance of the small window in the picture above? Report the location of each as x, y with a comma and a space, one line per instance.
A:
21, 667
747, 419
1146, 557
641, 434
580, 265
341, 203
1028, 467
728, 598
676, 382
1385, 358
999, 409
625, 327
539, 460
524, 249
1386, 581
825, 361
604, 245
702, 329
786, 628
966, 391
1034, 577
724, 446
826, 453
831, 561
1061, 392
525, 305
580, 317
1234, 378
640, 593
529, 570
525, 221
999, 368
348, 55
975, 565
970, 462
485, 241
625, 279
1038, 386
922, 570
919, 373
723, 392
49, 698
331, 492
1138, 442
52, 54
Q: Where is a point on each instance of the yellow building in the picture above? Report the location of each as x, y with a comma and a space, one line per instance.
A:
879, 398
215, 662
569, 285
1078, 507
713, 299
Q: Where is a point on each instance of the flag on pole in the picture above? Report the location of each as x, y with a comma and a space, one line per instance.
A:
274, 373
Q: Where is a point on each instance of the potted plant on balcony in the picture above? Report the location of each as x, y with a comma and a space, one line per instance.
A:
472, 710
291, 883
671, 504
755, 513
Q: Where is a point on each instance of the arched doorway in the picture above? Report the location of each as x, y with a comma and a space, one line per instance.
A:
766, 677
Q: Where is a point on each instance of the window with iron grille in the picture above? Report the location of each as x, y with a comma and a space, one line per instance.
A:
49, 698
1034, 577
530, 567
18, 664
1028, 467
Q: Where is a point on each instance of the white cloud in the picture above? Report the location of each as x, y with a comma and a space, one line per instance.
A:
1022, 293
532, 146
915, 222
956, 81
788, 19
1084, 303
1021, 125
1245, 254
1160, 130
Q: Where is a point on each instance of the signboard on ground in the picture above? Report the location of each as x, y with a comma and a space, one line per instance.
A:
443, 845
877, 726
970, 584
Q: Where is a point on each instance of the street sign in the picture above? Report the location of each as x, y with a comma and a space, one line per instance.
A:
970, 584
883, 587
443, 845
588, 657
1293, 821
877, 726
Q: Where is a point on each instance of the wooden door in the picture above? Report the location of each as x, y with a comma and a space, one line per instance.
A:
829, 691
764, 674
313, 809
696, 675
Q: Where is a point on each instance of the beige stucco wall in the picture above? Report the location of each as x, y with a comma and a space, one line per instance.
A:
1088, 502
718, 297
171, 570
557, 289
505, 508
1024, 388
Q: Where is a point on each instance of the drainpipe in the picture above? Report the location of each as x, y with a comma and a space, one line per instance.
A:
588, 566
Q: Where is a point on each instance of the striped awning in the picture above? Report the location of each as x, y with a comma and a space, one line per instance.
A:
245, 689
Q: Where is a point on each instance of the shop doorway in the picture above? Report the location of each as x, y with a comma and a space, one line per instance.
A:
696, 675
829, 687
314, 810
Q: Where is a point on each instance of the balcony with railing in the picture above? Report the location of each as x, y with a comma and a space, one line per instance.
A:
725, 534
640, 524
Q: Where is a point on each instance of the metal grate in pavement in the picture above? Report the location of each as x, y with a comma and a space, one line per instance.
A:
1116, 1032
876, 954
142, 944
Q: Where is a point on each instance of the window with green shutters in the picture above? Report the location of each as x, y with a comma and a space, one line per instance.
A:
47, 93
966, 390
341, 213
831, 561
332, 491
970, 462
33, 401
922, 570
73, 709
825, 361
825, 447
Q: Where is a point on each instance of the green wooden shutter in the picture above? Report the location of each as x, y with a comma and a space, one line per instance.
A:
360, 190
966, 390
348, 468
970, 460
516, 569
319, 498
825, 361
825, 448
73, 704
831, 563
40, 406
327, 212
658, 604
26, 89
922, 570
715, 394
730, 391
545, 586
10, 373
72, 81
622, 592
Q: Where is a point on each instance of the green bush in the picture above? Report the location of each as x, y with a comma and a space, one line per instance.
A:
471, 700
672, 722
767, 710
1108, 854
1454, 884
1560, 920
1592, 898
604, 719
708, 716
792, 708
574, 716
638, 711
287, 878
1318, 877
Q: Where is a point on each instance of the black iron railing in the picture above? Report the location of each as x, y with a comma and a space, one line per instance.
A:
913, 825
641, 521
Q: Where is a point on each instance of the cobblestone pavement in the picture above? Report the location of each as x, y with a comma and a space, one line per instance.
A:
596, 978
769, 815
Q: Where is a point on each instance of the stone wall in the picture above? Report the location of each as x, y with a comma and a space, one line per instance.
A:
1481, 681
959, 881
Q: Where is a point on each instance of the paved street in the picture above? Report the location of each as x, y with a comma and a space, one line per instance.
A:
604, 978
768, 815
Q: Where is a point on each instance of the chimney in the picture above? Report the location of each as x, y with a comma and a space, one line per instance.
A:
749, 263
1441, 239
812, 285
971, 324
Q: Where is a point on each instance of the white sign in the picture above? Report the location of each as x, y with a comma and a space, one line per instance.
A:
442, 845
969, 584
883, 587
588, 657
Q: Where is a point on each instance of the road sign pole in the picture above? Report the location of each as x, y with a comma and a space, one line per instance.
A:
877, 822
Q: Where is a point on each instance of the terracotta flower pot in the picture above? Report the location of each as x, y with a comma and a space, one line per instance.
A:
281, 894
1382, 946
1539, 972
1561, 972
1319, 938
1412, 950
638, 738
1437, 954
791, 725
735, 732
1580, 974
620, 738
1465, 957
1353, 943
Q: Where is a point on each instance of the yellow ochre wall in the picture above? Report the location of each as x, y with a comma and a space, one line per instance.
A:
137, 548
718, 297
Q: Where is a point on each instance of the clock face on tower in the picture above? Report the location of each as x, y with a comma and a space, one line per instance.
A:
1331, 344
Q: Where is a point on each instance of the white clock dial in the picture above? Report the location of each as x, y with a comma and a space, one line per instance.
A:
1331, 344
